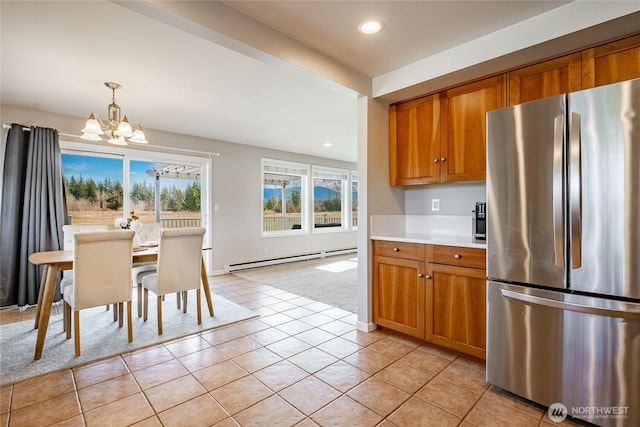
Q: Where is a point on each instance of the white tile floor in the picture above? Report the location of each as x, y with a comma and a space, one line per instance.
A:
301, 363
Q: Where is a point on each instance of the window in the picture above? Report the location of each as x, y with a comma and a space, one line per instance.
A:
284, 197
354, 200
177, 187
286, 208
93, 187
102, 186
329, 198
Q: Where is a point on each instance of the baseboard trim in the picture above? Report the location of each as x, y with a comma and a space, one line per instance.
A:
282, 260
366, 327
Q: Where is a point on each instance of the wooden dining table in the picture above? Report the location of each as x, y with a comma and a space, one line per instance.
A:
56, 261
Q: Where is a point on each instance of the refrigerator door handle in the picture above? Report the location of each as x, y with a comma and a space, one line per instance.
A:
575, 190
562, 305
558, 180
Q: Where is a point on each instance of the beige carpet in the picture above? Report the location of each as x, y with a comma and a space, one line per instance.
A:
331, 280
100, 336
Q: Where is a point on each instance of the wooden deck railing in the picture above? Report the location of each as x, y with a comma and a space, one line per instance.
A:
180, 222
279, 223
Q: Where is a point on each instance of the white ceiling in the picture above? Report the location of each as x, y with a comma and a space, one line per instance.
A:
413, 30
55, 57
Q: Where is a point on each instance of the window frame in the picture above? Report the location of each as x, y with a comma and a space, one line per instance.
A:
128, 154
353, 178
286, 168
344, 176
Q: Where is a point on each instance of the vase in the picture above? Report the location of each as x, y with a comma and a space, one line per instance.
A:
136, 240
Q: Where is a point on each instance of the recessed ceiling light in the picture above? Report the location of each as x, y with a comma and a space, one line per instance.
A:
327, 144
370, 27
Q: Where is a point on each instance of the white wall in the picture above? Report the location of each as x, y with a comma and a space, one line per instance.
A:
455, 199
236, 188
376, 196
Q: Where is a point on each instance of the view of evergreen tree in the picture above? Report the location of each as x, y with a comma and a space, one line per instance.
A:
328, 205
192, 198
293, 205
108, 194
114, 197
143, 194
164, 199
273, 204
176, 199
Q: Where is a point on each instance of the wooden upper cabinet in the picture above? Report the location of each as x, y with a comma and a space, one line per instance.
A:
549, 78
463, 151
414, 141
441, 137
611, 63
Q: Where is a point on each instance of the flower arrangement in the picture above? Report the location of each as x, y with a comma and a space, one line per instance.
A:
132, 222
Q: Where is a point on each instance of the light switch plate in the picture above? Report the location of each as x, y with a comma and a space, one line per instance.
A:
435, 205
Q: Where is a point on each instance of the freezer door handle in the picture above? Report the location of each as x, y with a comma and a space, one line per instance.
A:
558, 180
571, 306
575, 190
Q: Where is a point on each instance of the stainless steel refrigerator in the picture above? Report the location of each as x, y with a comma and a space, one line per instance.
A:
563, 252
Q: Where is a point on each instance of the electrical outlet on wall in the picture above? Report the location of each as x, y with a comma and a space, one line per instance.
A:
435, 205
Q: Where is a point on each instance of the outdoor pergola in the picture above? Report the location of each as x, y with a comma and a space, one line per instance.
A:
281, 181
166, 170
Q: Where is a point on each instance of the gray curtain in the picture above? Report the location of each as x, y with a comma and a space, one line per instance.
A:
33, 210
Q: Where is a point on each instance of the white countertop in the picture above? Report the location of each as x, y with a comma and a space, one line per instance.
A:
426, 229
434, 239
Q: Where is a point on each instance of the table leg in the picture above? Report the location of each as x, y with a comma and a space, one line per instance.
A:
45, 310
205, 287
43, 282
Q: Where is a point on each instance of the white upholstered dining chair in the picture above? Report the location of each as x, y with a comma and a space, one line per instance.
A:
68, 233
179, 265
101, 276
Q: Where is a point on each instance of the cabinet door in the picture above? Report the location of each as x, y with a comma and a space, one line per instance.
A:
399, 295
463, 152
459, 308
549, 78
611, 63
414, 141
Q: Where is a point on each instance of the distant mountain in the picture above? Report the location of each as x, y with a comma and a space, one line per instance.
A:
323, 193
269, 192
319, 193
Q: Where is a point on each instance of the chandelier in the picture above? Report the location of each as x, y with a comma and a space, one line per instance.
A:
116, 130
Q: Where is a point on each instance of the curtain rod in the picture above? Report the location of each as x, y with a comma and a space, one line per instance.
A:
24, 128
7, 126
184, 150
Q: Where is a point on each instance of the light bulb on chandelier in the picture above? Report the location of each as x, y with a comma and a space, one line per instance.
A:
116, 130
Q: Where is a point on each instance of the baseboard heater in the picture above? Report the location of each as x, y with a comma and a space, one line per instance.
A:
266, 262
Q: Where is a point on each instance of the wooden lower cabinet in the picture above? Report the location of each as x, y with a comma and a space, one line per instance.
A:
399, 295
459, 313
434, 293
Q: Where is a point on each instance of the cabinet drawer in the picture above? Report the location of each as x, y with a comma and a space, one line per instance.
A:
414, 251
462, 257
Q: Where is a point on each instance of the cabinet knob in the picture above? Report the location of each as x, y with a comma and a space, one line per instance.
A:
396, 250
457, 256
420, 275
427, 277
442, 159
435, 160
